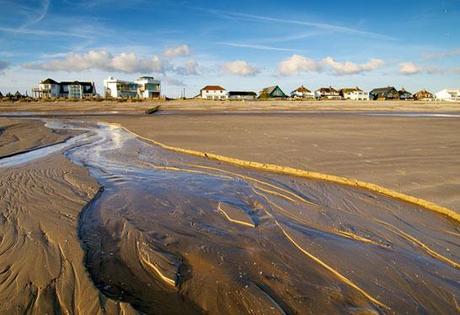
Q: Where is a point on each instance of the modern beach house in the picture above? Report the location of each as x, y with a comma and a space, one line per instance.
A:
66, 89
142, 88
303, 93
213, 92
354, 94
449, 95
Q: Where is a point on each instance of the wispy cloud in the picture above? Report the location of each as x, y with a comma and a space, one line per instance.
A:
38, 15
322, 26
442, 54
259, 47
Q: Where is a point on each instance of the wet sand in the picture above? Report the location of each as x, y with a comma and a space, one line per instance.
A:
17, 136
417, 156
174, 234
41, 260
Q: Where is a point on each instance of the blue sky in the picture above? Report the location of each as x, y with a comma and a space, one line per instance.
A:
238, 44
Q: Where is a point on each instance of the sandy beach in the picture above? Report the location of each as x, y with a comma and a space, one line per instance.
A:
92, 107
113, 224
415, 155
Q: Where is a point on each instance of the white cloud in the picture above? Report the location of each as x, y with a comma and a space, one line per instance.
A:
297, 64
179, 51
240, 68
188, 68
347, 67
409, 68
103, 60
442, 54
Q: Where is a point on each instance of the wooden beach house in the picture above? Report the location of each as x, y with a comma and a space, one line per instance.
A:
386, 93
405, 95
272, 92
327, 93
423, 95
302, 93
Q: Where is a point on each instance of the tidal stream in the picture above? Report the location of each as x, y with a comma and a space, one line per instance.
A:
175, 234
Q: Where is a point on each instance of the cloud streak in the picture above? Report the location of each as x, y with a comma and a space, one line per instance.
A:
259, 47
322, 26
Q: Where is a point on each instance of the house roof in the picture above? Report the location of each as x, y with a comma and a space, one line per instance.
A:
242, 93
268, 90
327, 90
383, 90
403, 91
350, 90
213, 88
301, 89
49, 81
423, 92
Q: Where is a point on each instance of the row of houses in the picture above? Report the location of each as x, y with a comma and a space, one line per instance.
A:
147, 87
216, 92
143, 88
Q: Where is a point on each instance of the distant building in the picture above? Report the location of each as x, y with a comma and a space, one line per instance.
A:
213, 92
242, 95
144, 88
423, 95
449, 95
405, 95
1, 95
303, 93
50, 89
327, 93
354, 94
386, 93
272, 92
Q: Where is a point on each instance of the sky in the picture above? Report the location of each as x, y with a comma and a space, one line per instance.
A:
239, 44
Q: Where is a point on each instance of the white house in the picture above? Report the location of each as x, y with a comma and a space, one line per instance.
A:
354, 94
213, 92
302, 92
450, 95
144, 87
66, 89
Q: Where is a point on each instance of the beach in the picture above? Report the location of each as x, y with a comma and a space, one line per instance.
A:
98, 219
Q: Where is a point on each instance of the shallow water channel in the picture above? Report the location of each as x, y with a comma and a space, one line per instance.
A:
174, 234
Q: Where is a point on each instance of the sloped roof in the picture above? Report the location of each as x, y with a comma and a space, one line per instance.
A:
327, 90
302, 89
350, 90
49, 81
383, 90
403, 91
213, 88
424, 92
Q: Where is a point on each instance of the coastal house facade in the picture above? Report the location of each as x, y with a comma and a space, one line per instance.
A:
272, 92
213, 92
66, 89
354, 94
423, 95
386, 93
242, 95
449, 95
327, 93
143, 88
303, 93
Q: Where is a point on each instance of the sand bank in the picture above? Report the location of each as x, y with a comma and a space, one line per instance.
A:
416, 156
